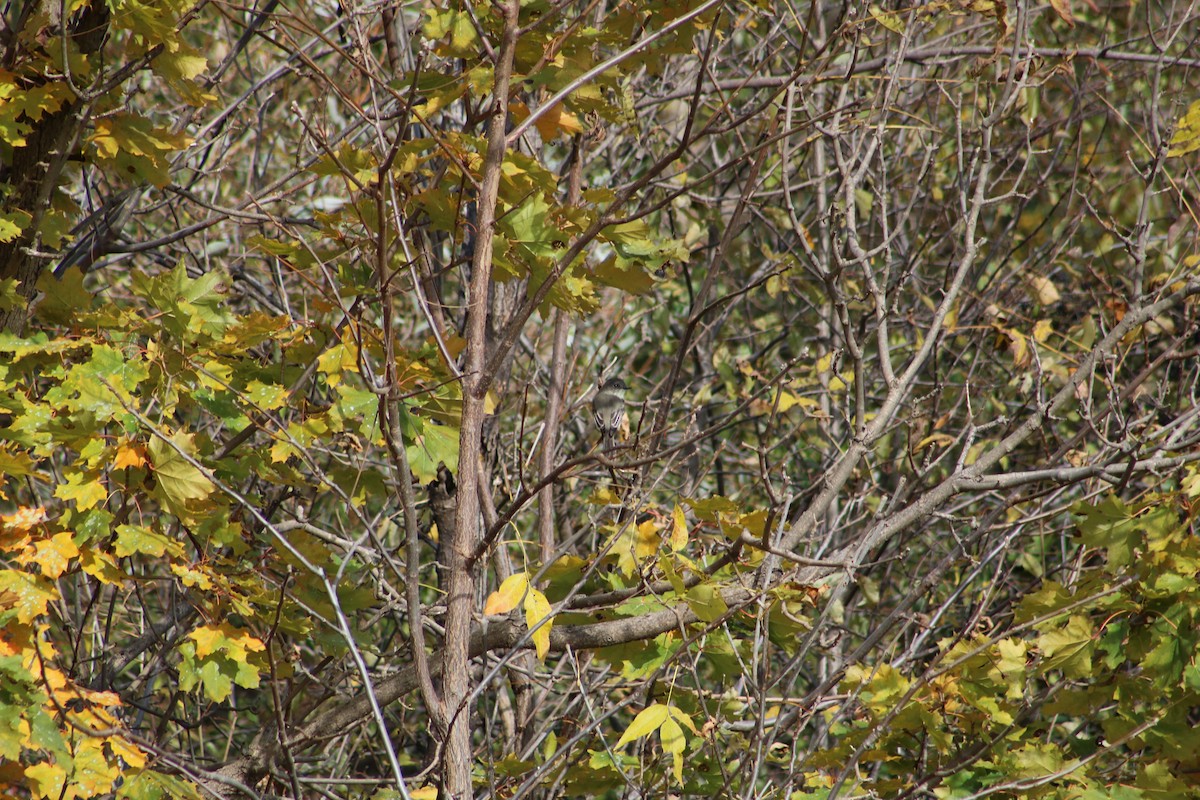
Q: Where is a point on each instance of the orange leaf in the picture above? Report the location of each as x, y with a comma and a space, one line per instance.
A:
129, 456
555, 122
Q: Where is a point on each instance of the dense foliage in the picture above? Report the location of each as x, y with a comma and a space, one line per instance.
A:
301, 310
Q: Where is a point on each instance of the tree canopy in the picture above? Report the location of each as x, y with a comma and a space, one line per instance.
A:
302, 307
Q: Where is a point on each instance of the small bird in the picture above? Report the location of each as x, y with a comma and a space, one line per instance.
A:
608, 407
98, 234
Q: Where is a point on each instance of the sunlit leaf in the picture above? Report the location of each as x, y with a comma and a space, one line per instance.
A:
508, 596
645, 723
179, 479
1186, 138
23, 595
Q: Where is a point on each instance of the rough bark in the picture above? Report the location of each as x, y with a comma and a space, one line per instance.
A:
36, 168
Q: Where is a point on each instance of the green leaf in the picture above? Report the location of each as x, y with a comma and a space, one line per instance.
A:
708, 510
191, 308
149, 785
433, 444
1164, 664
639, 659
184, 64
673, 742
706, 603
456, 28
218, 683
1037, 761
1051, 597
132, 539
354, 162
1069, 647
103, 385
1109, 525
179, 482
12, 223
63, 297
264, 396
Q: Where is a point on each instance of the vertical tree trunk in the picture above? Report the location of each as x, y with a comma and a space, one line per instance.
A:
35, 168
456, 766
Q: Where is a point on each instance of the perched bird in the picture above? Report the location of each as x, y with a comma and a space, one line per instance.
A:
608, 407
99, 232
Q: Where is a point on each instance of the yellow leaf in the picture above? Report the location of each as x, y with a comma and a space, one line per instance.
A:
101, 566
52, 555
130, 753
537, 608
633, 545
338, 359
1042, 330
940, 439
24, 518
679, 529
678, 715
106, 699
182, 65
424, 793
281, 450
1015, 343
888, 19
241, 642
93, 774
647, 721
1043, 290
605, 497
46, 779
25, 593
1187, 132
208, 639
505, 598
84, 491
192, 578
106, 146
673, 743
234, 642
787, 400
647, 540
